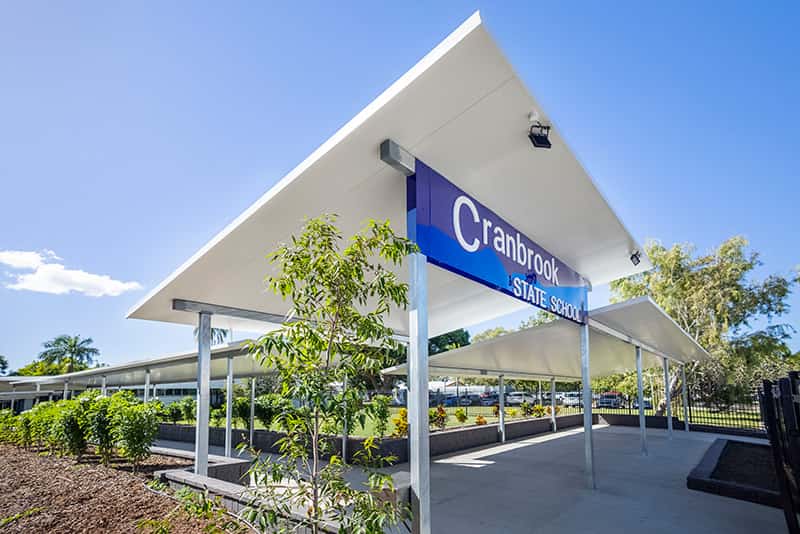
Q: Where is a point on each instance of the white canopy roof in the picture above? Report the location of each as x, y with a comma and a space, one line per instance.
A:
464, 111
553, 349
169, 369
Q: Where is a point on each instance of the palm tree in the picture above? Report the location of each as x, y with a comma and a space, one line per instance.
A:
218, 335
69, 349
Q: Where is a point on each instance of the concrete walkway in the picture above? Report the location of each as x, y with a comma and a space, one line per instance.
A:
536, 485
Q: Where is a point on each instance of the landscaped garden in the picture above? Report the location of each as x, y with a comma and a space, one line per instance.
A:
85, 465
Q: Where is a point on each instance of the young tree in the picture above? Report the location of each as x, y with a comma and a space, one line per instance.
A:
339, 295
3, 365
715, 298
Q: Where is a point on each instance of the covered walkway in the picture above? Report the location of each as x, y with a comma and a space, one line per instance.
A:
536, 485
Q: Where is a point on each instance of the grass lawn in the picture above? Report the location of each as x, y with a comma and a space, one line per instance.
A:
699, 416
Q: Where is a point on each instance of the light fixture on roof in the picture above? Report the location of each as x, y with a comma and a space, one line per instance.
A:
539, 135
636, 258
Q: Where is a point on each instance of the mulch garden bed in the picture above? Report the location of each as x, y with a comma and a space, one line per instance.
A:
747, 463
45, 494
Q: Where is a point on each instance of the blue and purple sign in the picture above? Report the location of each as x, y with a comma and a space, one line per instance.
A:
458, 233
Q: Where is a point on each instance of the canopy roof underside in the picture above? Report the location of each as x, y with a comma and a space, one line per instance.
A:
463, 110
170, 369
553, 349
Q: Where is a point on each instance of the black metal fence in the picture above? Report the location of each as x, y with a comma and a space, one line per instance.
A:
780, 404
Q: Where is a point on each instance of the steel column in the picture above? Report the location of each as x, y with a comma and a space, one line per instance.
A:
38, 390
668, 398
147, 385
229, 408
640, 397
685, 395
203, 393
66, 389
501, 412
553, 403
418, 434
252, 409
103, 387
588, 444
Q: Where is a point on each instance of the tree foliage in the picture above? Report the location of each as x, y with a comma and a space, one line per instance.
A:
449, 341
3, 365
716, 298
339, 295
69, 350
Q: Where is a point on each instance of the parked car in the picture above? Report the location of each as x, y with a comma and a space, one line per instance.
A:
571, 399
610, 400
648, 404
462, 400
518, 397
489, 399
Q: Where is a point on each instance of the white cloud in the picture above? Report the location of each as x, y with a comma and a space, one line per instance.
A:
47, 276
25, 259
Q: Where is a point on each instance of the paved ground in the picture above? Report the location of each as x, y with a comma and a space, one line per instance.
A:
536, 485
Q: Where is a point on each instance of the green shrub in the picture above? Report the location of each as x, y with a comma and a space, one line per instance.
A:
7, 426
379, 409
217, 417
135, 429
43, 425
461, 415
267, 408
23, 430
526, 409
400, 423
70, 425
174, 412
241, 411
101, 428
189, 408
437, 417
538, 410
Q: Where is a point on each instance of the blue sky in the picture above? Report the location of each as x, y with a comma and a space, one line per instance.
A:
131, 133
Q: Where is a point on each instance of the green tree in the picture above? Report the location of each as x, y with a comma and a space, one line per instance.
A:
716, 298
449, 341
491, 333
539, 318
69, 350
3, 365
41, 368
341, 294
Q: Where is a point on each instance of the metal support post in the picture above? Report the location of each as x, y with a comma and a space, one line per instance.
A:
553, 404
203, 393
66, 389
418, 435
147, 385
668, 398
685, 395
501, 412
229, 408
103, 386
640, 398
588, 444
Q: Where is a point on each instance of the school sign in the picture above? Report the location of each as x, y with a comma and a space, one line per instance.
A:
458, 233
